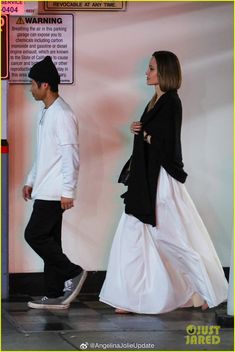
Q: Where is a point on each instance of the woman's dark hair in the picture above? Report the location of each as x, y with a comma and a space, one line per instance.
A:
169, 70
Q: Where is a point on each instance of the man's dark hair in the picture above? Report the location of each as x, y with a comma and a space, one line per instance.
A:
46, 71
53, 86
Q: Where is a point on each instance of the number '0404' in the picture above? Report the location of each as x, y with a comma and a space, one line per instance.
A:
9, 9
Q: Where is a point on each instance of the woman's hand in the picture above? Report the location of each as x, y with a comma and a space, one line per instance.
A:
136, 127
147, 137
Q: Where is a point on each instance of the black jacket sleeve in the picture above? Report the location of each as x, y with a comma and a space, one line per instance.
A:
165, 131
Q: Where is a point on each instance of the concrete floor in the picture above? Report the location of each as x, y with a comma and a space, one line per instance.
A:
91, 325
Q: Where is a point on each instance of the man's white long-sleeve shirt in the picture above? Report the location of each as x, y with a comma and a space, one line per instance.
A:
55, 171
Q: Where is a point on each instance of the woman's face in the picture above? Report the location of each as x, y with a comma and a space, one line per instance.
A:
151, 73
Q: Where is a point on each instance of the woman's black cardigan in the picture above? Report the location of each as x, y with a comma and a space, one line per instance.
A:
163, 123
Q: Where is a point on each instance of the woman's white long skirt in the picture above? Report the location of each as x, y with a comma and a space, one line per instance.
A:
158, 269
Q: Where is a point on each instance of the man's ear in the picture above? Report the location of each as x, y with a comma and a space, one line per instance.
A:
45, 85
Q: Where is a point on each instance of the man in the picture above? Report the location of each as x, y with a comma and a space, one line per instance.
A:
52, 184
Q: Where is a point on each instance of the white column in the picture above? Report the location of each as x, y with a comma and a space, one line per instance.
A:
4, 96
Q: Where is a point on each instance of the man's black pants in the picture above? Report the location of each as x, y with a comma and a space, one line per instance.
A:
43, 234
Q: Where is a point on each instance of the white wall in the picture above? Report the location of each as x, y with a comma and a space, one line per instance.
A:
112, 50
4, 108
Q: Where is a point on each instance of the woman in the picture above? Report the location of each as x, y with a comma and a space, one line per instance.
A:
162, 257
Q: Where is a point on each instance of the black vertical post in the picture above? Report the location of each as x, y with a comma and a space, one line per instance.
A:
4, 227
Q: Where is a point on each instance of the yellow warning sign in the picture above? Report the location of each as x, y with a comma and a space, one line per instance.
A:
20, 21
